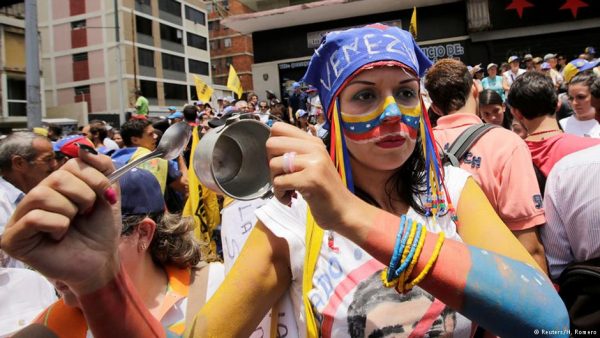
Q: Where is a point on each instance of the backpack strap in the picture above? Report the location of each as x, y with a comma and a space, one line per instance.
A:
465, 141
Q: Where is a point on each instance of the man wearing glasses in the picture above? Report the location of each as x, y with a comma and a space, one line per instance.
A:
25, 160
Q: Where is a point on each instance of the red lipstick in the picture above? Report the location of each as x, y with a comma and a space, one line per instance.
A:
391, 142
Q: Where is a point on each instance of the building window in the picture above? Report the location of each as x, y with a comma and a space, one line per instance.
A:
146, 57
78, 24
170, 6
195, 15
81, 69
81, 90
227, 42
16, 97
172, 62
213, 25
170, 33
148, 89
228, 61
193, 93
143, 2
143, 25
175, 91
198, 67
80, 57
197, 41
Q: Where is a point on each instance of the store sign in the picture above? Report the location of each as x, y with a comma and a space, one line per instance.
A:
447, 50
293, 65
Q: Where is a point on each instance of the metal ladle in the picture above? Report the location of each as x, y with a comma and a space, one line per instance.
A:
172, 143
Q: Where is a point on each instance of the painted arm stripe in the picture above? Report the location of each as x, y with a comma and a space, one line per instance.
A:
517, 299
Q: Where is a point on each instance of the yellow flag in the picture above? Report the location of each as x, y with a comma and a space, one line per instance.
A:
203, 206
413, 23
203, 90
233, 82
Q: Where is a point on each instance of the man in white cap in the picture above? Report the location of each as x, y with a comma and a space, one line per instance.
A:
528, 60
557, 78
509, 76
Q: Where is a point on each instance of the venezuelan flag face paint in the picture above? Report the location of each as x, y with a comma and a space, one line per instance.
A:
367, 127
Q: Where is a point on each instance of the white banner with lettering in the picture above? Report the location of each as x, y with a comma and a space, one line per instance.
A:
237, 219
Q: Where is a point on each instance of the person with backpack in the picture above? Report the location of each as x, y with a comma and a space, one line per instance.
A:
385, 211
499, 161
534, 102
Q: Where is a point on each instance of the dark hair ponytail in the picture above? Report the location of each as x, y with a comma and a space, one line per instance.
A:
488, 96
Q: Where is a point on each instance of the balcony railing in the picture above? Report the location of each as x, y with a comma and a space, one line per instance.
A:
145, 39
172, 46
170, 17
173, 75
147, 71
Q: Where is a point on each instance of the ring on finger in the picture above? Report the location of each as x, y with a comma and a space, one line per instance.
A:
288, 162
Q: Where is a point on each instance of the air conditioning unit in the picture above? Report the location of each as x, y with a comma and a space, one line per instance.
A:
179, 34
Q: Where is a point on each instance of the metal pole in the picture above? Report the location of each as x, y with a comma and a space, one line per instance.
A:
133, 51
119, 66
34, 109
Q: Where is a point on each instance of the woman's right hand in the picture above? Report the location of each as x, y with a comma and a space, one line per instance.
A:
311, 173
68, 226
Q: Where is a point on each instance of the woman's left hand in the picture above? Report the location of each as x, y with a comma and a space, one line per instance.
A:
300, 162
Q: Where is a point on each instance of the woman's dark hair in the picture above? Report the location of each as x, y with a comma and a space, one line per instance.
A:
488, 96
409, 180
586, 78
595, 88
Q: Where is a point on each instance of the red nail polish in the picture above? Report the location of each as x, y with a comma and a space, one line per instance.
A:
110, 195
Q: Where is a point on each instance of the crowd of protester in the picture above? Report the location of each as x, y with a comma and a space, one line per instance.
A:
523, 195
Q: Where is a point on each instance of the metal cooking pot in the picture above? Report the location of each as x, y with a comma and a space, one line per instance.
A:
232, 159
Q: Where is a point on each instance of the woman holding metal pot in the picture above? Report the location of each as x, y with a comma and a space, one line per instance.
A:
364, 234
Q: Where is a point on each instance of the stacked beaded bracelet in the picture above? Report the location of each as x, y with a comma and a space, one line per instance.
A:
409, 245
418, 244
434, 256
389, 275
389, 280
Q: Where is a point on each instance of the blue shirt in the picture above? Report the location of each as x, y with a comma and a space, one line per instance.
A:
494, 84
